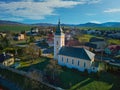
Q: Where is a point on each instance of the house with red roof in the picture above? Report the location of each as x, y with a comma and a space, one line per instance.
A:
113, 49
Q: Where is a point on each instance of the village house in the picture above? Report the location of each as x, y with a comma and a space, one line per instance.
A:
33, 32
96, 44
72, 57
2, 34
72, 43
50, 39
19, 37
6, 59
113, 50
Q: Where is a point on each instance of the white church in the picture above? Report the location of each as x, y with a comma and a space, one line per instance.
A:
72, 57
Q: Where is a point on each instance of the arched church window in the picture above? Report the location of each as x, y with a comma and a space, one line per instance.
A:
67, 60
72, 61
78, 63
84, 64
57, 42
62, 59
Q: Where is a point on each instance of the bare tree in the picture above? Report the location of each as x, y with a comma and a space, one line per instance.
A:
33, 51
53, 68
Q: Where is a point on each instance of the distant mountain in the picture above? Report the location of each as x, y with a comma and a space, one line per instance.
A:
49, 24
111, 24
3, 22
44, 24
107, 24
89, 24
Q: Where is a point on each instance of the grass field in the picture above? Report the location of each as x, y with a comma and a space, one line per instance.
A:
78, 81
75, 80
39, 63
113, 41
99, 28
87, 37
15, 28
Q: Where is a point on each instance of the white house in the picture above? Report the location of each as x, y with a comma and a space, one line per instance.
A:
72, 57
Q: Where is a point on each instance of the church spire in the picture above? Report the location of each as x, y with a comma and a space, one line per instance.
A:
59, 30
59, 22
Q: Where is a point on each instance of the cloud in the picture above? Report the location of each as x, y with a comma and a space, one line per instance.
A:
11, 18
114, 10
94, 21
37, 9
90, 1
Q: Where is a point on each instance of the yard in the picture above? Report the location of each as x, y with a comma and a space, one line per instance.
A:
39, 63
75, 80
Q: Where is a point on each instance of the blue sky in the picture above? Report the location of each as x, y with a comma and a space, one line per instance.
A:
69, 11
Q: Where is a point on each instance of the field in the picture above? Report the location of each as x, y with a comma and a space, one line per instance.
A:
113, 41
87, 37
99, 28
15, 28
74, 80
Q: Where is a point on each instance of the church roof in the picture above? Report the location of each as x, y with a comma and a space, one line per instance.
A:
59, 30
76, 52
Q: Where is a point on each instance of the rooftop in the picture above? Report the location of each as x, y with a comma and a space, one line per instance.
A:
76, 52
4, 57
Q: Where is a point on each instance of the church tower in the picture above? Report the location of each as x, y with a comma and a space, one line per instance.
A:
59, 40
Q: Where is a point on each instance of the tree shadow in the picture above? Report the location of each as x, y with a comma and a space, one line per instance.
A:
40, 65
82, 84
110, 79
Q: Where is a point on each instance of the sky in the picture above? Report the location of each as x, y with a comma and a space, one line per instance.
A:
68, 11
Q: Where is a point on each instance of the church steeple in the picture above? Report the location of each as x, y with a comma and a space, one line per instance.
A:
59, 40
59, 30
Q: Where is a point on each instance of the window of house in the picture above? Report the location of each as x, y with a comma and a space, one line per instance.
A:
72, 61
67, 60
62, 59
84, 64
57, 42
78, 63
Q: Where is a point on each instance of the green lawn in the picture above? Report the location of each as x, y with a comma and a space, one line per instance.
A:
114, 41
86, 37
75, 80
21, 42
15, 28
99, 28
39, 63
